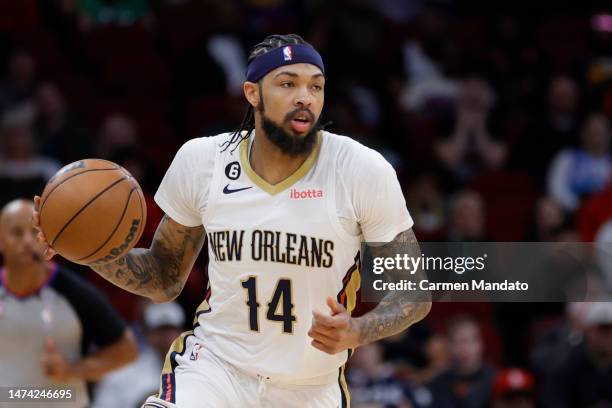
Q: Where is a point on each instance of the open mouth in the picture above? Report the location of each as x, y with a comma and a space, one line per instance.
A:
301, 122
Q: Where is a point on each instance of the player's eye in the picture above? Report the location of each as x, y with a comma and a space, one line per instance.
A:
317, 88
287, 84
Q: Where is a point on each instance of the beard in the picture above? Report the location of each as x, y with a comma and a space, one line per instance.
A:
291, 145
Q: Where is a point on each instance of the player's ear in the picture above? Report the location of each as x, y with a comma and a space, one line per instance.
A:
251, 93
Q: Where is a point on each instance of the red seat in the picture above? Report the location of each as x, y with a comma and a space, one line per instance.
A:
103, 42
18, 17
563, 40
509, 198
183, 25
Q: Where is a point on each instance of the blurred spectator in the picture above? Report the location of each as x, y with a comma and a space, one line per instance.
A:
604, 252
19, 84
422, 59
116, 12
419, 354
130, 386
467, 217
375, 382
50, 318
229, 54
425, 201
548, 218
468, 381
59, 133
563, 102
117, 132
471, 147
579, 172
419, 348
513, 388
398, 12
595, 211
585, 380
554, 127
23, 173
552, 348
19, 159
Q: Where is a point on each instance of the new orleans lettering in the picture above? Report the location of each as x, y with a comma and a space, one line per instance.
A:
273, 246
226, 246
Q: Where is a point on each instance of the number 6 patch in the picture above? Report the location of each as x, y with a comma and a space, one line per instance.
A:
232, 170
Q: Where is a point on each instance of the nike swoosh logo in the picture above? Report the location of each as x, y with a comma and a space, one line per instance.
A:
226, 189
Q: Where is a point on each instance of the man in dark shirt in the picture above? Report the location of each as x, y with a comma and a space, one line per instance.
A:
585, 380
49, 317
467, 382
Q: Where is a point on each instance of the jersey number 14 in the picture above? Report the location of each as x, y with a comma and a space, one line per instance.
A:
281, 299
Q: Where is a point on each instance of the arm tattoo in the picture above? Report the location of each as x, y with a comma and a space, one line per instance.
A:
161, 271
396, 311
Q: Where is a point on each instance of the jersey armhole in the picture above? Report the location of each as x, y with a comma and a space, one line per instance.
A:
332, 207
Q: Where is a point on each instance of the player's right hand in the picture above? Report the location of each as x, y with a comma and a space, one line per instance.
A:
49, 251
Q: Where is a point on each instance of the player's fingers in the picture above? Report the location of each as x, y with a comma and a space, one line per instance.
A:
339, 321
322, 319
328, 331
36, 203
335, 307
323, 347
49, 253
324, 334
41, 237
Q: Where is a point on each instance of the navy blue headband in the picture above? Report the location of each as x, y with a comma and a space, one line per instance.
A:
285, 55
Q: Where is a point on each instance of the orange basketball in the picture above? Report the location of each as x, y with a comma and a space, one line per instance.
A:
92, 211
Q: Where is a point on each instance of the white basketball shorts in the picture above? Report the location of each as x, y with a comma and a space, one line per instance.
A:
193, 377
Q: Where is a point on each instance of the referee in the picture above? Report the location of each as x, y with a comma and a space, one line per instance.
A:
49, 318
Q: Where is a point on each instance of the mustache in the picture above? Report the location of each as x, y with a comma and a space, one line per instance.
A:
296, 112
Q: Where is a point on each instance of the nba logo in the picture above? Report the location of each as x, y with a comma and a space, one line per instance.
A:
287, 53
195, 353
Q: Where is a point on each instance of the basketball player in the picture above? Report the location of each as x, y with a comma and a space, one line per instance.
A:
49, 317
285, 207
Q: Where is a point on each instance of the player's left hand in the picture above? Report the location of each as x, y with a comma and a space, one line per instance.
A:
335, 332
54, 364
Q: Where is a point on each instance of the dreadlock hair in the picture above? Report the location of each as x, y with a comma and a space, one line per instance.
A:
269, 43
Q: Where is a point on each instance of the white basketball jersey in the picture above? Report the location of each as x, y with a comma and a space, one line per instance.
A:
278, 251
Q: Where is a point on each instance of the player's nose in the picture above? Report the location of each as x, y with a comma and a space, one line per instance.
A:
303, 98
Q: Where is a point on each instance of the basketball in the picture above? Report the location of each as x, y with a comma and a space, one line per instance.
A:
92, 211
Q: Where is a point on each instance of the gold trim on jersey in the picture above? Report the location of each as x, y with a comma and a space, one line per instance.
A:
344, 390
178, 346
274, 189
351, 283
352, 287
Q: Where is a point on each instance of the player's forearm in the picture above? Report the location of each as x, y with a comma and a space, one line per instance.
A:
141, 272
393, 314
97, 365
396, 311
160, 272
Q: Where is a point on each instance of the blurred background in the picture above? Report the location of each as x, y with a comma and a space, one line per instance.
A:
496, 116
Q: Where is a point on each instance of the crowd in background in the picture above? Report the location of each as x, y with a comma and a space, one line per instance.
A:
495, 116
